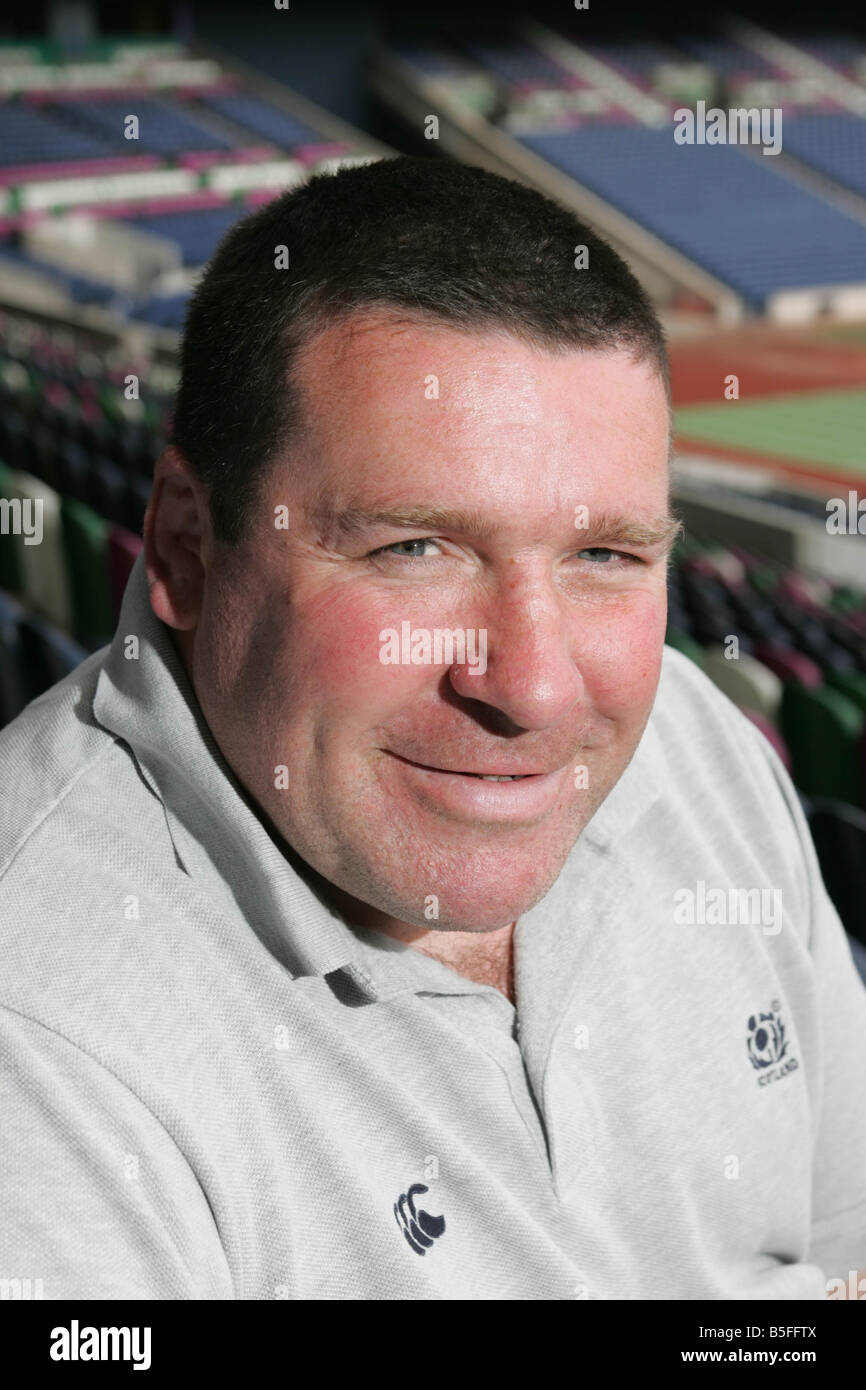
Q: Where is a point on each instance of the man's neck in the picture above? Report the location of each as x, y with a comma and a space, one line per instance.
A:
485, 957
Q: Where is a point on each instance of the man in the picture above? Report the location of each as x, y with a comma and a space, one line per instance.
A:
298, 1004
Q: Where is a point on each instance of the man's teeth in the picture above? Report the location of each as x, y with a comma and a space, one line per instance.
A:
485, 778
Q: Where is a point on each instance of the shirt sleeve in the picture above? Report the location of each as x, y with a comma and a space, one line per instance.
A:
838, 1217
96, 1199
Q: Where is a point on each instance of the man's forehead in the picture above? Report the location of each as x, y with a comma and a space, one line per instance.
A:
440, 436
356, 465
484, 357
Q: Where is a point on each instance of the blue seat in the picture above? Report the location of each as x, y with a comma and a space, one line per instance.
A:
264, 121
48, 654
737, 215
165, 126
832, 142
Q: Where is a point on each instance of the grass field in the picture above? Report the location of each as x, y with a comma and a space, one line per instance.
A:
817, 427
801, 409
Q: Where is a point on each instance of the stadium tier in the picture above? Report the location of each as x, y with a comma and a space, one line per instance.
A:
750, 227
754, 218
121, 169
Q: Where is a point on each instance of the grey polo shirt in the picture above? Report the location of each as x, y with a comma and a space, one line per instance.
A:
212, 1087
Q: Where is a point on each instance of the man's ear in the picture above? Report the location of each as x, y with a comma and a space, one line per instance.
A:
177, 541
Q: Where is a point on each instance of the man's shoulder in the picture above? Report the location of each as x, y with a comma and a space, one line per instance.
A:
72, 804
687, 698
720, 776
89, 883
50, 754
695, 763
702, 731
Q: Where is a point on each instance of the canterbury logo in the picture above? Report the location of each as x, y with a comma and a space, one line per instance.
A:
419, 1227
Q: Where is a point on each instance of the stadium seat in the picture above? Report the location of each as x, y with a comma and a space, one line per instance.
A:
13, 684
86, 538
48, 655
44, 578
123, 547
822, 729
263, 120
137, 496
10, 566
839, 833
745, 681
831, 142
730, 213
851, 684
107, 490
682, 642
789, 665
166, 126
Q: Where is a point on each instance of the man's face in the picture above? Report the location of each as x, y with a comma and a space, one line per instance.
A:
532, 463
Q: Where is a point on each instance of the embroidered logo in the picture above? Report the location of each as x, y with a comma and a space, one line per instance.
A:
767, 1045
419, 1227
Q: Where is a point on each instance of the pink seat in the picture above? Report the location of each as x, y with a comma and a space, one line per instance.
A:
789, 665
123, 547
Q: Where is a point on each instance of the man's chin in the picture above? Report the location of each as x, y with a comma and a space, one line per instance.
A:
483, 903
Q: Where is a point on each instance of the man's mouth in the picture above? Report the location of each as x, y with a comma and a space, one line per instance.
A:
467, 772
515, 796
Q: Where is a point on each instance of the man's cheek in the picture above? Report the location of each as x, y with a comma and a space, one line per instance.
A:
352, 650
623, 671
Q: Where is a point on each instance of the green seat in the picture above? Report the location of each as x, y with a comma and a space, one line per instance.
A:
846, 599
85, 537
851, 684
765, 580
822, 729
10, 563
43, 569
675, 637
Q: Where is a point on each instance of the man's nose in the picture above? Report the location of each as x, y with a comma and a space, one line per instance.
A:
531, 674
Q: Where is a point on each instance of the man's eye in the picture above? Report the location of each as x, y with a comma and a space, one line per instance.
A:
406, 549
603, 555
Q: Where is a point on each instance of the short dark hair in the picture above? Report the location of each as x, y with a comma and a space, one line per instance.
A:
428, 237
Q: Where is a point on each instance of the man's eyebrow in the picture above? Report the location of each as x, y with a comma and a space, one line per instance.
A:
622, 530
356, 520
602, 527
